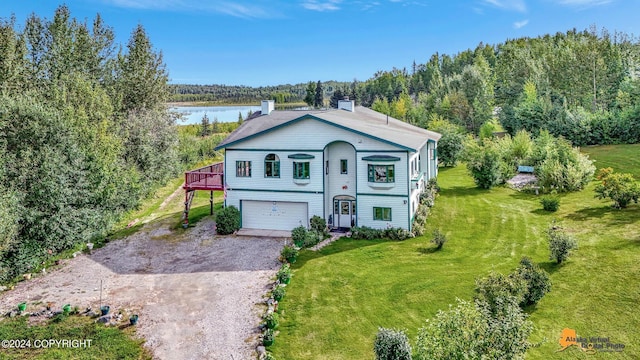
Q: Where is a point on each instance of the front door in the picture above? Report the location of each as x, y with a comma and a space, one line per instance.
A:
345, 213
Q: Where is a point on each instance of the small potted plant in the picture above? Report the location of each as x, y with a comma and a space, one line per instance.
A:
289, 254
284, 274
268, 338
278, 293
272, 320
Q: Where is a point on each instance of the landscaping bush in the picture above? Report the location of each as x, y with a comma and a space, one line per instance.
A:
497, 289
560, 245
483, 162
312, 238
298, 235
289, 254
278, 293
439, 239
272, 320
550, 203
228, 220
417, 229
319, 225
392, 344
432, 185
397, 234
621, 188
537, 281
284, 274
366, 233
471, 331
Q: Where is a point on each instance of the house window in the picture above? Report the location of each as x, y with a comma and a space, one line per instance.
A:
343, 166
381, 173
243, 168
272, 166
301, 170
382, 213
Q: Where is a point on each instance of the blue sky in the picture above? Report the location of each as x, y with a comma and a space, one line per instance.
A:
269, 42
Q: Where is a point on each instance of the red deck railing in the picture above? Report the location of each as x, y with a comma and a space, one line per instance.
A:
210, 177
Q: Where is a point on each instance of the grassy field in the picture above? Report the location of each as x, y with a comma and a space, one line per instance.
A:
339, 296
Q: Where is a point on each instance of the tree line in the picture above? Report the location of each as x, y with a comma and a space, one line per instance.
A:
84, 133
231, 94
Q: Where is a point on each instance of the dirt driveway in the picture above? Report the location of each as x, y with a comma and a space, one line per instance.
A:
197, 295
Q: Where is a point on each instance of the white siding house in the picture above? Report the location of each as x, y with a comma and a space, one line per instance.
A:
351, 166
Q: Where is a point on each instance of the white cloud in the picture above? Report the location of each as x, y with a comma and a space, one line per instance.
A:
315, 5
520, 24
584, 3
236, 9
511, 5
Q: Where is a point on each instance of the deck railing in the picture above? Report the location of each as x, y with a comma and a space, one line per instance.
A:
210, 177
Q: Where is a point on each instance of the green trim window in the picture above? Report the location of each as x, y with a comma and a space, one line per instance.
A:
381, 173
343, 166
382, 213
301, 170
243, 168
272, 166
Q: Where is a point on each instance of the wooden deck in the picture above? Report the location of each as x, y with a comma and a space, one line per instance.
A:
209, 178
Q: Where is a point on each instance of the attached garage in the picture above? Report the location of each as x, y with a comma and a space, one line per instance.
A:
273, 215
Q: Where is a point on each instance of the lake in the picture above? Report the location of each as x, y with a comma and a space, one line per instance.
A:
194, 114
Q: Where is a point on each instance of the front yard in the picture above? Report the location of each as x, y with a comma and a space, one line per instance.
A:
339, 296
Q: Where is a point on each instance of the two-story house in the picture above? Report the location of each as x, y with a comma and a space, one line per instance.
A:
350, 165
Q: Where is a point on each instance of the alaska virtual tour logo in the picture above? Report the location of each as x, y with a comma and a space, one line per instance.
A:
589, 345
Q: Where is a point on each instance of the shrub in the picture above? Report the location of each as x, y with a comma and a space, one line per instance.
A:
289, 254
278, 293
365, 232
272, 320
311, 238
319, 225
228, 220
439, 239
397, 234
284, 274
485, 167
550, 203
298, 235
471, 331
621, 188
560, 245
417, 229
269, 356
268, 337
537, 281
427, 198
392, 344
497, 289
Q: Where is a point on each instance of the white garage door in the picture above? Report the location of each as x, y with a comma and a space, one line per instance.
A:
273, 215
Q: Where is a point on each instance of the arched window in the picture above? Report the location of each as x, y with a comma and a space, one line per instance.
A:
272, 166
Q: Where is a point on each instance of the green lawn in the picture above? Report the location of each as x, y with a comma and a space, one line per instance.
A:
340, 296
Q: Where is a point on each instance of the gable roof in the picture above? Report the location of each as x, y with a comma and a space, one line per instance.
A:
363, 121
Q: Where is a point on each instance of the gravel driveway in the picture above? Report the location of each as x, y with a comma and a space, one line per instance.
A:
197, 295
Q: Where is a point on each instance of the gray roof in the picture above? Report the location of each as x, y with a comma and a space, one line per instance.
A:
362, 120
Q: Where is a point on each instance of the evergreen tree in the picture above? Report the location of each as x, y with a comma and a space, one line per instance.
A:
240, 118
311, 91
215, 125
318, 100
205, 126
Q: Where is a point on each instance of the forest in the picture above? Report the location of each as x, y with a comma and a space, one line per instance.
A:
85, 134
